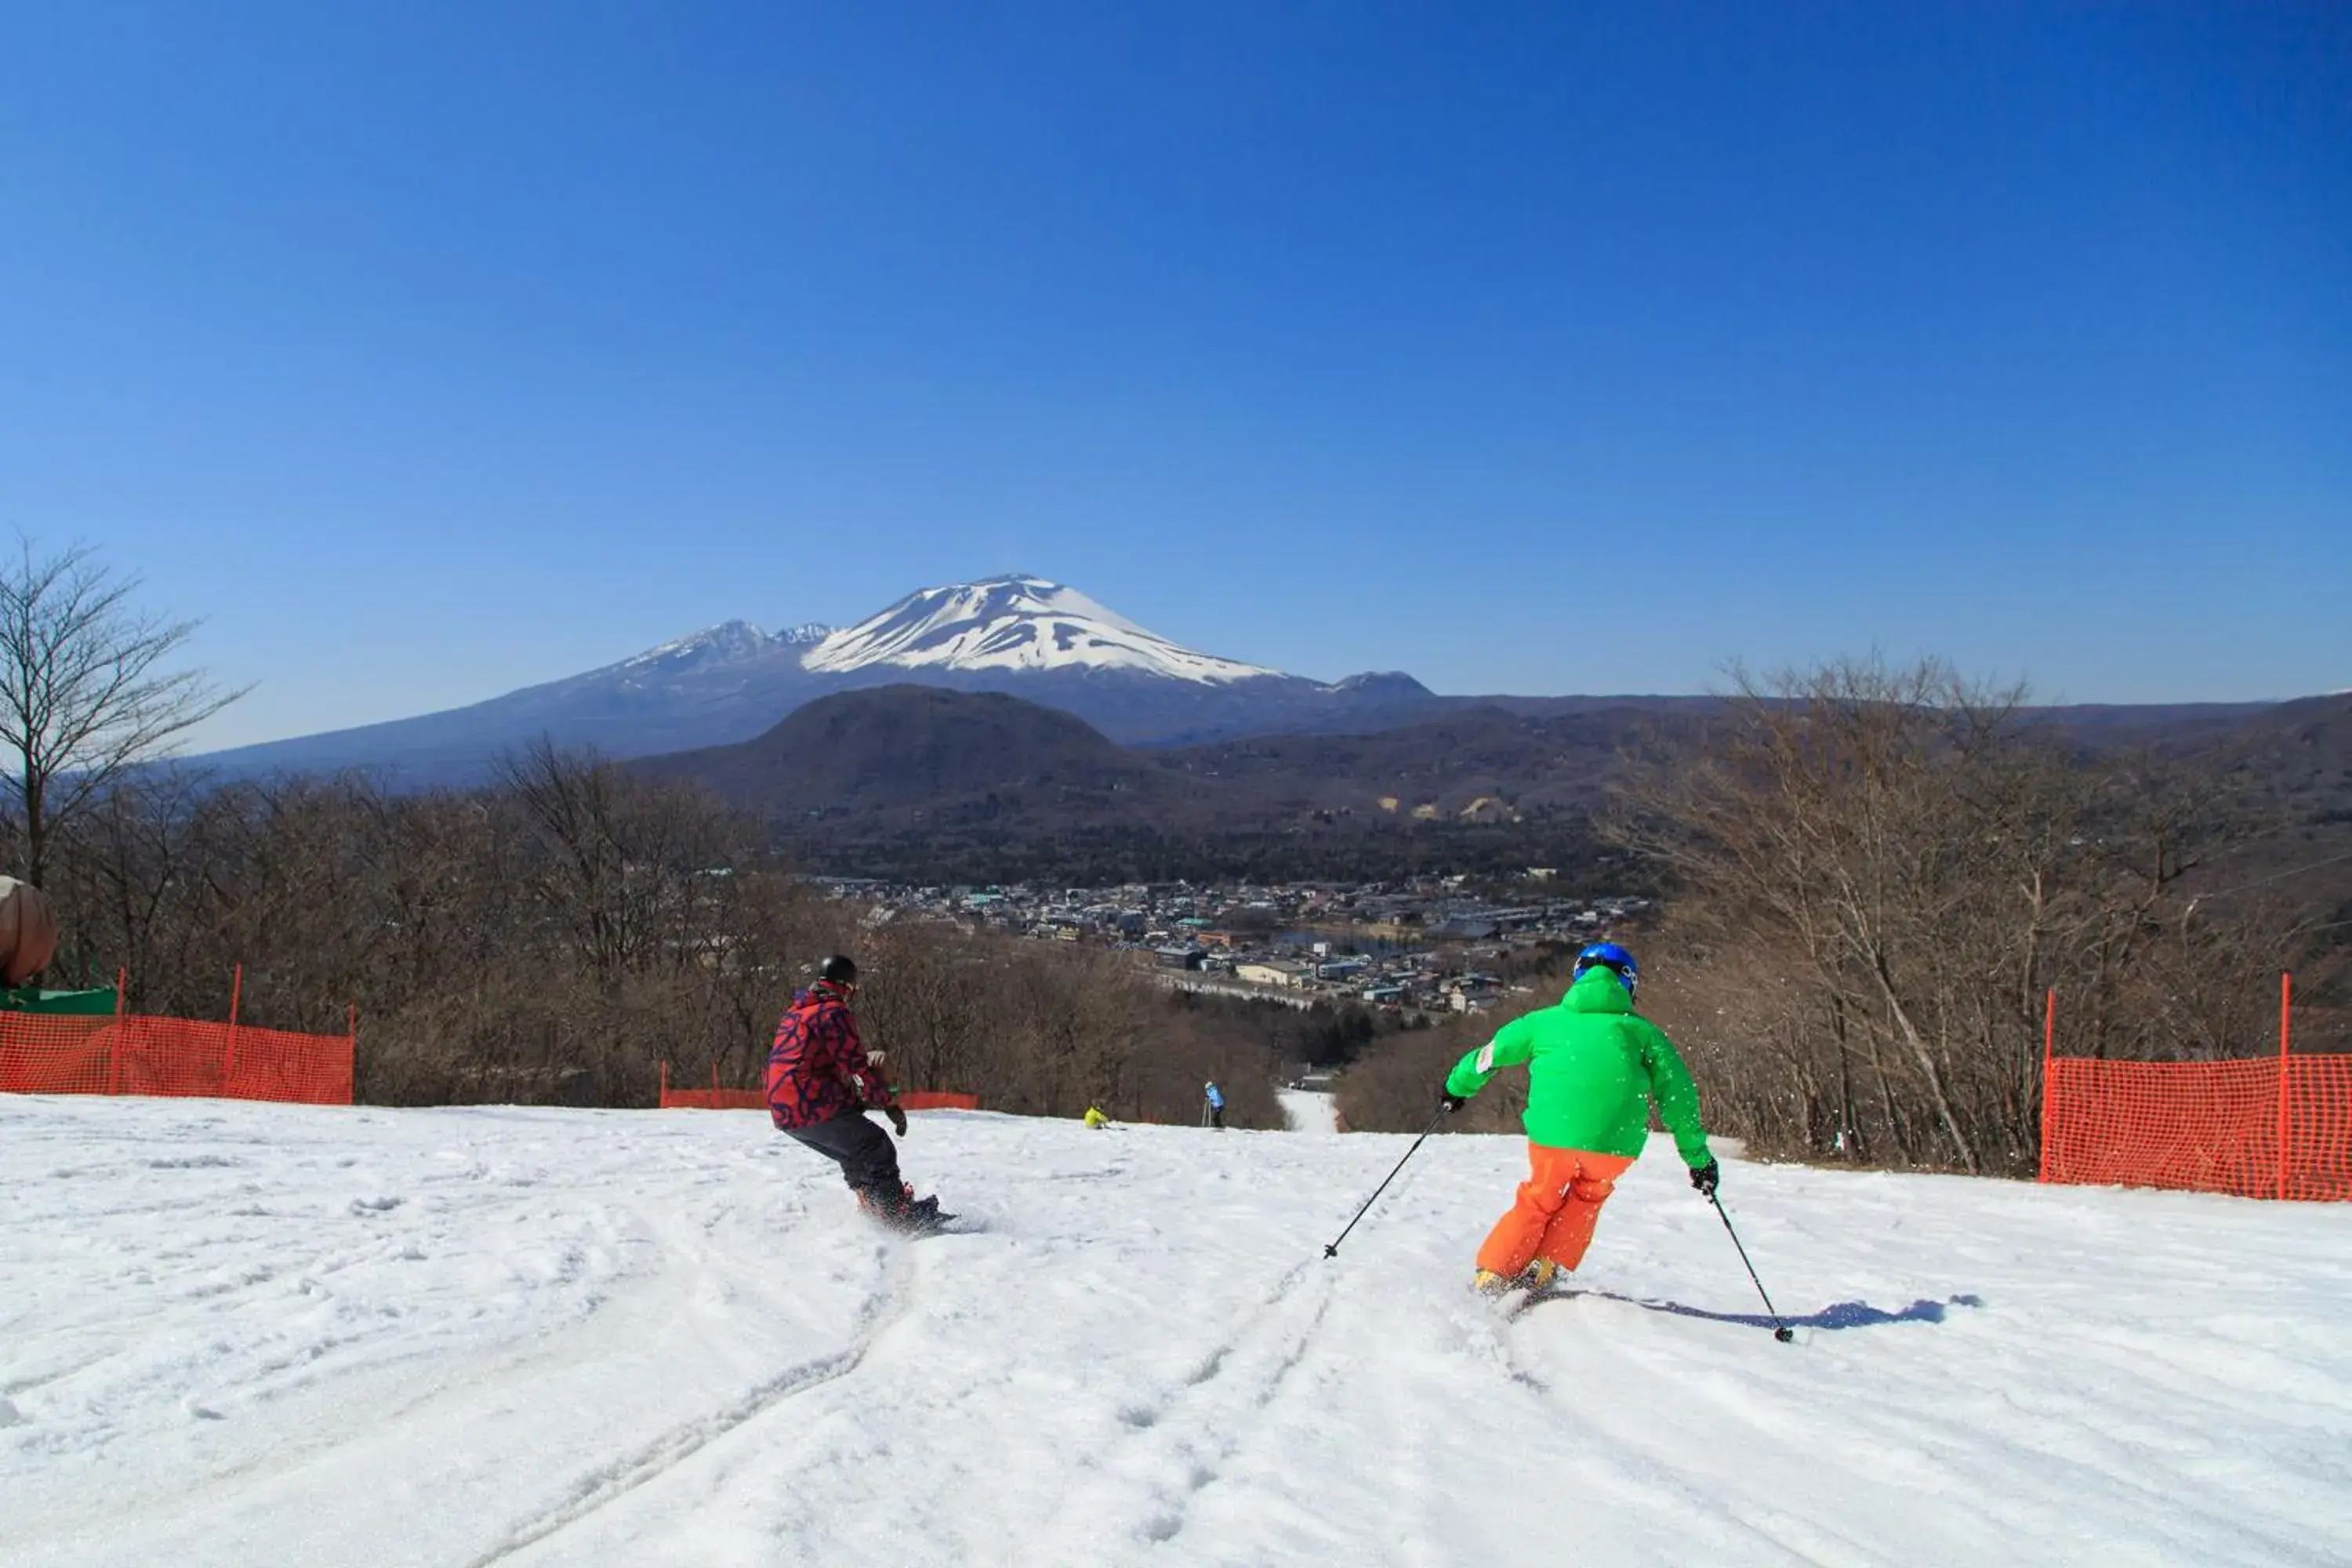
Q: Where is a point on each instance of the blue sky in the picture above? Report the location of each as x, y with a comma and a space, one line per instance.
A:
430, 350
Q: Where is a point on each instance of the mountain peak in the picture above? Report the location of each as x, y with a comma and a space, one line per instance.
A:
1017, 621
721, 644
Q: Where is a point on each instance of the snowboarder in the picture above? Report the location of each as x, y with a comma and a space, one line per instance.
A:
1213, 1110
1594, 1066
821, 1083
1095, 1120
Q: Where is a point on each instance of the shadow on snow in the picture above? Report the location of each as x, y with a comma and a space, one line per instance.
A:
1844, 1315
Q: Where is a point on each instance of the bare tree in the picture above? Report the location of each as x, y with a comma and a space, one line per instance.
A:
83, 695
1878, 872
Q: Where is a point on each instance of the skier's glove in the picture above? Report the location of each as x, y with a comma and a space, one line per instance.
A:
1453, 1103
898, 1119
1706, 1177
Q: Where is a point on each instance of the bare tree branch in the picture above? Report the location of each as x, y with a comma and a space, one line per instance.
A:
83, 693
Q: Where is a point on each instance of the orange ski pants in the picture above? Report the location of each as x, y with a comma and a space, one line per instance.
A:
1558, 1206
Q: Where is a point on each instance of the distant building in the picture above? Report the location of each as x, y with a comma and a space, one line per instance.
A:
1271, 973
1179, 957
1466, 928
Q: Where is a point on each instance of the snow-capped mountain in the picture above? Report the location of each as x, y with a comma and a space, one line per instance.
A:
1016, 623
730, 642
1023, 636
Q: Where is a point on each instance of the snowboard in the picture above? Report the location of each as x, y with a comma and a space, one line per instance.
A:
928, 1219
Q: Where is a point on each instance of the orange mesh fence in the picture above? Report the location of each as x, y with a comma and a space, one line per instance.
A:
2209, 1127
2320, 1128
2272, 1127
938, 1100
58, 1054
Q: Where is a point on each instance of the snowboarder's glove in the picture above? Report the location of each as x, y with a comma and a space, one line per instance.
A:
898, 1119
1706, 1177
1453, 1103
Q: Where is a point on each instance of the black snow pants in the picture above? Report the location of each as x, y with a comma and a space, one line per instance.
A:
869, 1163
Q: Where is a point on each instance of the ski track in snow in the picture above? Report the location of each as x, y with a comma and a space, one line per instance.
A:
245, 1335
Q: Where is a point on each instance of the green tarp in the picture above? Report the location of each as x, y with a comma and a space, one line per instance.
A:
32, 999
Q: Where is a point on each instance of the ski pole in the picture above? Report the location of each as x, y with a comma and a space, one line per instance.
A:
1780, 1331
1333, 1250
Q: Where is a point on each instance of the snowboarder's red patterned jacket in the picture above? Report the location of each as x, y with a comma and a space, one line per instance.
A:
817, 1069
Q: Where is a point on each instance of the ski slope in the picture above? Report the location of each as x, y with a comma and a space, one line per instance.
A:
240, 1335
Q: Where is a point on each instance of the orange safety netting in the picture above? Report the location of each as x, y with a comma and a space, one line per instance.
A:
63, 1054
2212, 1126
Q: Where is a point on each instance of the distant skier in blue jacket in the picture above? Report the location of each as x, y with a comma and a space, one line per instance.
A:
1214, 1115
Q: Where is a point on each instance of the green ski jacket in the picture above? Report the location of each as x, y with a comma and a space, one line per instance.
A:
1593, 1067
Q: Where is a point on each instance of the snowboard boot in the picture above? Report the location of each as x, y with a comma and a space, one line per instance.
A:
909, 1214
888, 1208
1487, 1282
1540, 1274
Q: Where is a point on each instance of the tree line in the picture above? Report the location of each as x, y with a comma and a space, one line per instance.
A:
1874, 876
556, 936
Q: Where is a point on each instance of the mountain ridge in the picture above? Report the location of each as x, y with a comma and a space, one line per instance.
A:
1018, 635
1021, 634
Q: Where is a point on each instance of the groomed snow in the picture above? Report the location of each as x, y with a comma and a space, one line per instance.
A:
241, 1334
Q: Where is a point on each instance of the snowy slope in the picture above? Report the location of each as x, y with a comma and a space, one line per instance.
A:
1013, 623
241, 1335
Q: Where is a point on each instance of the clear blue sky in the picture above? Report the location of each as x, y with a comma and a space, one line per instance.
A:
428, 350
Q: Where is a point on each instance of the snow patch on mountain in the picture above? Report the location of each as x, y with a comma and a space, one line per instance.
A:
1015, 623
721, 644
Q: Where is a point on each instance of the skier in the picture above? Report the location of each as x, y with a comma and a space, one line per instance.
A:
1594, 1066
821, 1083
1213, 1100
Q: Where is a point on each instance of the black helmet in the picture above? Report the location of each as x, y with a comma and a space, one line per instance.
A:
838, 970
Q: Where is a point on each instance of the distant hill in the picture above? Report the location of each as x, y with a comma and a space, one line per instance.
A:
896, 754
920, 780
884, 780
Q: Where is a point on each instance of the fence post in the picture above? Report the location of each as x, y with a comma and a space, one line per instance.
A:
114, 1049
228, 1057
2049, 1058
2286, 1006
664, 1101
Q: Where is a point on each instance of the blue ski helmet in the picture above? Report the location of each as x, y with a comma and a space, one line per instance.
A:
1610, 956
